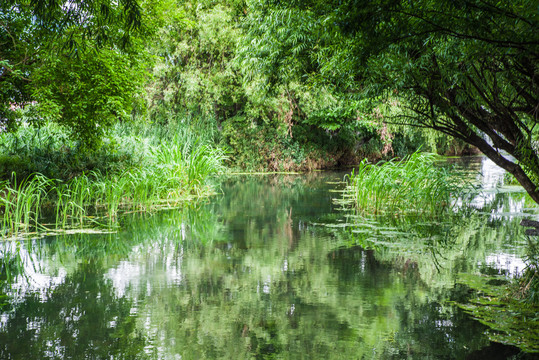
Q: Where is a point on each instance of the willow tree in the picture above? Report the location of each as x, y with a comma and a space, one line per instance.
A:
467, 68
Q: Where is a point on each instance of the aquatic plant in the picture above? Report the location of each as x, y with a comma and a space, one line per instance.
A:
173, 171
49, 151
186, 160
20, 203
509, 320
527, 283
414, 184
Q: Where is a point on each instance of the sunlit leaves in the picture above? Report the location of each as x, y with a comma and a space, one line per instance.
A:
102, 21
465, 68
87, 94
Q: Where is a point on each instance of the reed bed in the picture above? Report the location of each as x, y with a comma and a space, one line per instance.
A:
173, 171
412, 185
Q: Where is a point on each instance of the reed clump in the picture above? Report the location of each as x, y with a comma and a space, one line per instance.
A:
172, 171
412, 185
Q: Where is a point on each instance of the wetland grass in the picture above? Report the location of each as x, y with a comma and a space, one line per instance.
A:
173, 171
21, 203
412, 185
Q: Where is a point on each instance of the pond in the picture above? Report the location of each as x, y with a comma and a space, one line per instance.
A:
272, 268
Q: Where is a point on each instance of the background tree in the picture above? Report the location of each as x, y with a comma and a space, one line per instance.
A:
467, 68
50, 53
89, 93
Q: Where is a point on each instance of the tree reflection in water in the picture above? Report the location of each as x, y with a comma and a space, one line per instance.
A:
269, 269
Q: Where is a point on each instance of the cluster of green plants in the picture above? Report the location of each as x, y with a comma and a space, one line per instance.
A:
50, 151
508, 308
284, 125
180, 60
168, 169
527, 288
285, 70
458, 68
414, 184
84, 75
197, 75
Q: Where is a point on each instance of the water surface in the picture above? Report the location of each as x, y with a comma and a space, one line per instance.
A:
270, 269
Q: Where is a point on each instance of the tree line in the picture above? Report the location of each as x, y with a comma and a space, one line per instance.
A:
300, 78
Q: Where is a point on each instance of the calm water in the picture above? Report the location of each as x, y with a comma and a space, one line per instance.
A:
270, 269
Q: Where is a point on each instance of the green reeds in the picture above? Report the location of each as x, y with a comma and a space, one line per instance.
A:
412, 185
174, 171
20, 203
184, 161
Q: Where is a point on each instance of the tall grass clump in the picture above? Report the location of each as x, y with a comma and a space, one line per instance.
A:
412, 185
169, 171
184, 160
50, 151
21, 203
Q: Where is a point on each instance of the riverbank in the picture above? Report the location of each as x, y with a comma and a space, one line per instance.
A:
139, 166
46, 176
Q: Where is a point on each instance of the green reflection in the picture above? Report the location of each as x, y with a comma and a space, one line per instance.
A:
269, 269
278, 286
80, 318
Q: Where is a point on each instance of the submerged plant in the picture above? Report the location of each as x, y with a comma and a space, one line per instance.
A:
510, 318
414, 184
527, 284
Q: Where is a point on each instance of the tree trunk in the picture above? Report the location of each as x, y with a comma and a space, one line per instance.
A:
511, 167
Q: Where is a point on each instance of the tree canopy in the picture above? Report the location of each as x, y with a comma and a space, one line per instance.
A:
264, 72
467, 68
76, 59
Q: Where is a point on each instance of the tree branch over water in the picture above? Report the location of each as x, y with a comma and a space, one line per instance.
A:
466, 68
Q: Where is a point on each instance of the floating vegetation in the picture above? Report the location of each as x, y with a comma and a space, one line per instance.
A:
510, 320
412, 185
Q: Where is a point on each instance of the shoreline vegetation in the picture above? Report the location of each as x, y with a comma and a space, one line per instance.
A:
161, 172
49, 180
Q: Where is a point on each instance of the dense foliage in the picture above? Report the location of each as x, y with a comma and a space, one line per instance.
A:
77, 63
199, 79
88, 94
85, 67
465, 68
167, 170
